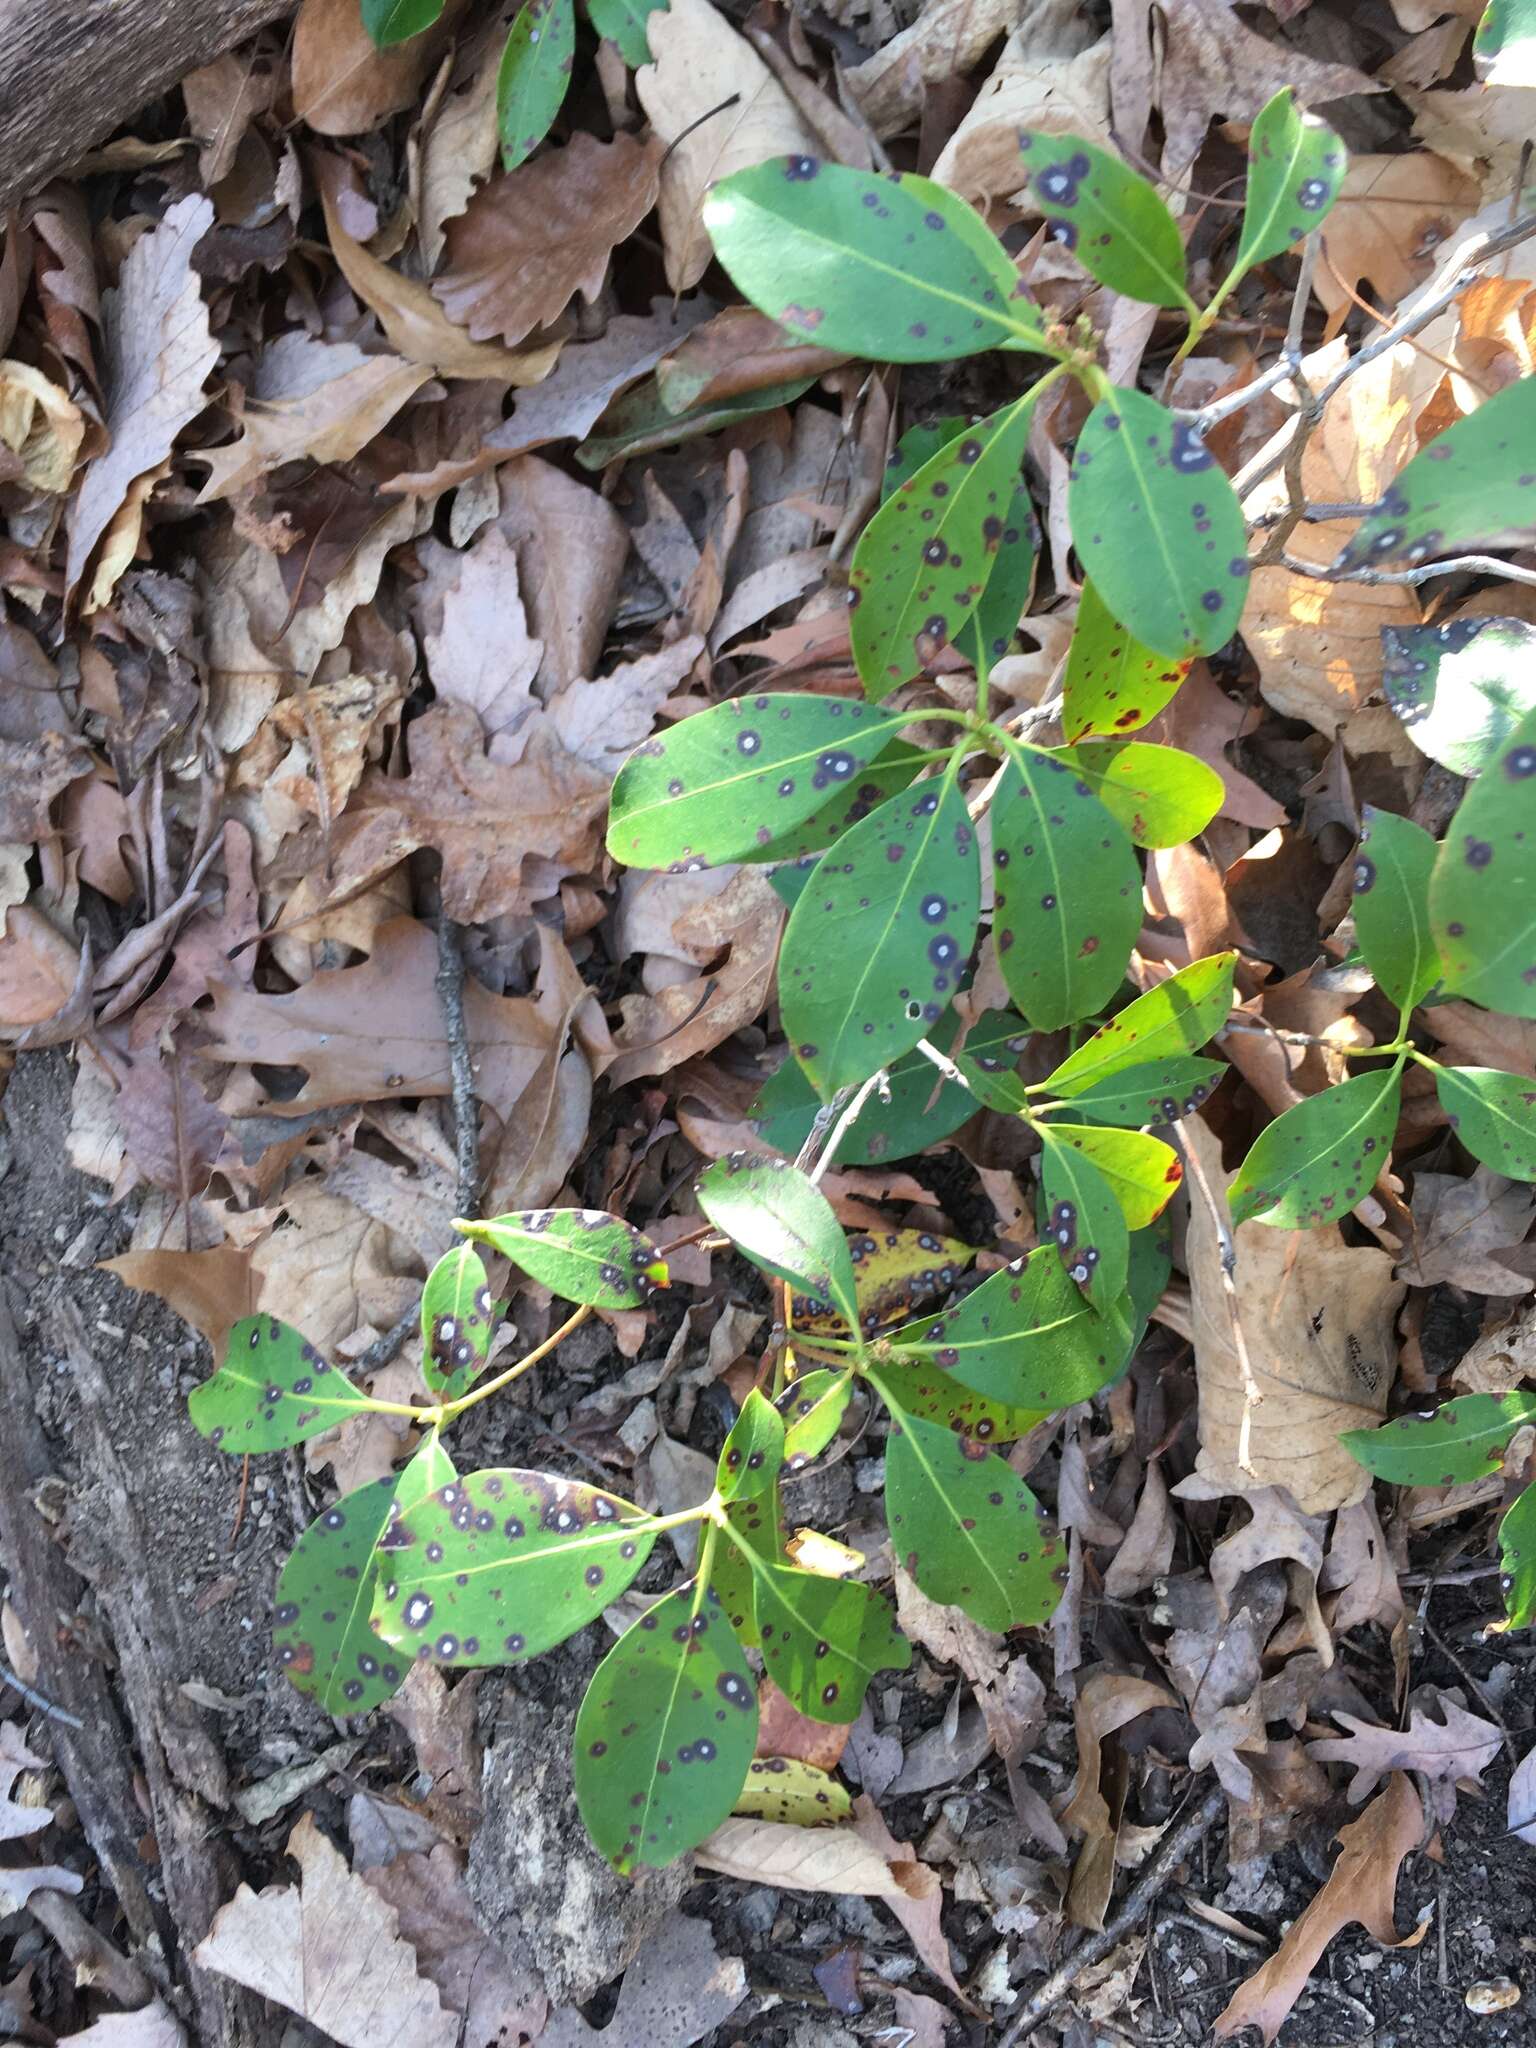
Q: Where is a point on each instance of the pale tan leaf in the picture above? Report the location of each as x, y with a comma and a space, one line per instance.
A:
16, 1819
1389, 227
342, 85
152, 2026
798, 1859
678, 1989
1458, 1745
480, 653
602, 719
947, 38
212, 1290
41, 426
1059, 84
458, 148
1459, 1225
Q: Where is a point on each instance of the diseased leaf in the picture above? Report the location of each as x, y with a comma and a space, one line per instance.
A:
1066, 890
1109, 217
895, 268
1494, 1115
583, 1254
756, 1526
1391, 904
540, 1558
1084, 1219
1161, 795
623, 22
896, 1273
1296, 164
394, 21
273, 1389
1504, 48
1178, 1016
1143, 1172
535, 71
781, 1788
1112, 683
922, 1388
1460, 689
738, 776
1475, 482
1158, 526
457, 1322
665, 1733
813, 1409
892, 771
1482, 893
1448, 1446
1517, 1554
782, 1222
1157, 1092
1314, 1163
753, 1452
824, 1639
908, 880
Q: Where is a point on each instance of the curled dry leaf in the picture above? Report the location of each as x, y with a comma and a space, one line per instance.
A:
17, 1820
40, 425
1459, 1745
1459, 1227
947, 38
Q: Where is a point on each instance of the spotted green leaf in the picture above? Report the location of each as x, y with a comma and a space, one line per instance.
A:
1112, 682
1066, 891
813, 1409
623, 22
1178, 1016
1460, 689
322, 1620
395, 21
1494, 1115
738, 776
754, 1528
273, 1389
965, 1525
1448, 1446
1157, 526
1482, 893
1475, 482
1084, 1220
823, 1639
1517, 1555
1155, 1092
1314, 1163
921, 1388
1024, 1337
1110, 218
753, 1452
457, 1318
1143, 1172
1504, 48
535, 70
665, 1733
908, 881
1391, 902
582, 1254
892, 771
1161, 795
783, 1223
500, 1565
895, 268
1296, 164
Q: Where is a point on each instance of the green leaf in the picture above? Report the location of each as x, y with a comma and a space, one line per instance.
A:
1143, 1172
813, 1409
1178, 1016
273, 1389
924, 560
782, 1222
1024, 1338
500, 1565
623, 22
907, 880
966, 1526
535, 72
893, 770
457, 1319
1066, 891
1460, 689
640, 420
824, 1639
396, 21
1449, 1446
582, 1254
1517, 1554
1391, 904
1157, 1092
756, 1527
921, 1388
1113, 683
753, 1452
1494, 1115
1482, 894
665, 1733
1084, 1219
1158, 526
1161, 795
1110, 218
736, 777
895, 268
322, 1619
1475, 482
1314, 1163
1504, 48
1296, 164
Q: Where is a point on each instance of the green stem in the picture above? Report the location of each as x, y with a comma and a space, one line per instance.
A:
451, 1409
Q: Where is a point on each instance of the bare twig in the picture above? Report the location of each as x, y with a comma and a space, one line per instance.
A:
466, 1126
35, 1699
878, 1080
1456, 565
1221, 1223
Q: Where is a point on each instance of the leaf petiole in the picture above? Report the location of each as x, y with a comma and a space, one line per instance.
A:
450, 1409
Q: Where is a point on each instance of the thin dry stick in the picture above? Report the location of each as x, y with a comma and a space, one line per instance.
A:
35, 1699
1221, 1221
1457, 565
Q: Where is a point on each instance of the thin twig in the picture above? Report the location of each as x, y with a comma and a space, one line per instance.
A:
1221, 1222
35, 1699
1289, 362
879, 1080
1153, 1880
1457, 565
466, 1124
945, 1065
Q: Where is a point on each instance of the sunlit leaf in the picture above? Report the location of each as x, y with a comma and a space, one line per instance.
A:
623, 22
1494, 1115
583, 1254
1154, 1092
813, 1409
273, 1389
824, 1639
1109, 217
1143, 1172
1391, 904
1482, 893
783, 1223
736, 777
1084, 1219
1158, 526
1504, 47
1161, 795
1448, 1446
783, 1789
1517, 1554
753, 1452
395, 21
1314, 1163
1067, 891
457, 1320
665, 1733
1178, 1016
920, 1387
1460, 689
1296, 164
892, 771
535, 70
908, 880
1113, 683
500, 1565
895, 268
966, 1526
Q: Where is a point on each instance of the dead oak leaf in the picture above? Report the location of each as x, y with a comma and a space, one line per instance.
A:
481, 652
1459, 1224
533, 238
1459, 1745
1389, 225
677, 1990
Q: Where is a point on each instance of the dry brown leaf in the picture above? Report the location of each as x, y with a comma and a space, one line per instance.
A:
458, 146
947, 38
1054, 78
38, 970
328, 1949
1484, 130
678, 1989
919, 1899
212, 1290
1459, 1226
17, 1820
328, 1268
32, 773
1458, 1745
703, 67
479, 652
798, 1859
159, 350
1105, 1703
1147, 1551
497, 2000
1389, 226
1502, 1357
342, 85
571, 549
1361, 1887
533, 238
1317, 1315
41, 426
602, 719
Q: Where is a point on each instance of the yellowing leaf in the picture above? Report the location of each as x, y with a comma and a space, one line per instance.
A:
782, 1789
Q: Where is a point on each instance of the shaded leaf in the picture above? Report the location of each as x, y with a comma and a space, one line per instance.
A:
1112, 682
1517, 1554
535, 71
1313, 1164
1391, 905
1459, 1745
1109, 217
393, 21
1161, 795
273, 1389
753, 1452
623, 22
783, 1223
896, 1272
1296, 164
1460, 689
1447, 1446
457, 1322
1494, 1115
824, 1639
583, 1254
1482, 893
